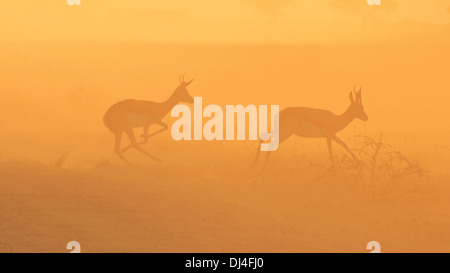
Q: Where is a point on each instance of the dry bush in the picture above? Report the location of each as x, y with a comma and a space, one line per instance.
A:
378, 169
61, 160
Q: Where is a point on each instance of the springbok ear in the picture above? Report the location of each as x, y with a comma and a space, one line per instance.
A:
189, 82
352, 99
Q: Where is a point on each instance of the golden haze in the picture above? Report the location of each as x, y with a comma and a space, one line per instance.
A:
61, 67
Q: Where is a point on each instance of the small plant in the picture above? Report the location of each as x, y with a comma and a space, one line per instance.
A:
377, 170
62, 159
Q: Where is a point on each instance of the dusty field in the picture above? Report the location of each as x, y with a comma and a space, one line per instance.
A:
216, 206
204, 197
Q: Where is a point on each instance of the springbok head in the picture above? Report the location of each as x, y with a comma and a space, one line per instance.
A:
181, 92
356, 107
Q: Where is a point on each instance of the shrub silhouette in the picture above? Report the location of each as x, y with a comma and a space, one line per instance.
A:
378, 169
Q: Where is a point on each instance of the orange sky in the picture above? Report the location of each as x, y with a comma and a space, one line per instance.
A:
223, 21
409, 61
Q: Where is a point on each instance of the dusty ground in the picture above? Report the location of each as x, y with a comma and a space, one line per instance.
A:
214, 206
205, 197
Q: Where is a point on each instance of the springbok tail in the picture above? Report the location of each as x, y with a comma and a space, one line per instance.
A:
265, 135
257, 154
107, 122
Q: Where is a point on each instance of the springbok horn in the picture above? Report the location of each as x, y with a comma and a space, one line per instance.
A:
360, 89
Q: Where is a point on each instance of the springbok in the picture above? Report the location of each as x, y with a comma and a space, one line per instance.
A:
125, 115
317, 123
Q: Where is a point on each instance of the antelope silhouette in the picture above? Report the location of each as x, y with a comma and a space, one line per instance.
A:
128, 114
318, 123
